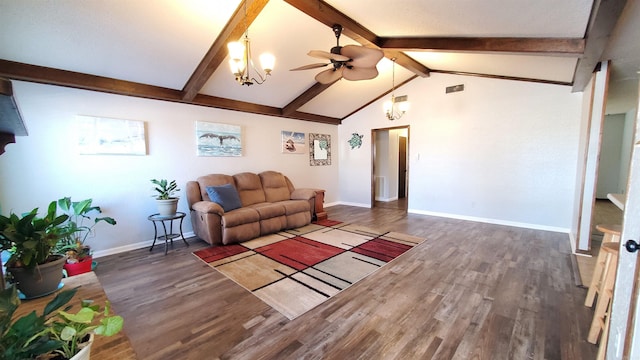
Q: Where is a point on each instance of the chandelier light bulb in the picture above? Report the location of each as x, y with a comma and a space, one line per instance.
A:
267, 61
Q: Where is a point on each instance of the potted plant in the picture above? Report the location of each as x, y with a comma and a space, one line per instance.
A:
33, 264
79, 255
167, 203
55, 334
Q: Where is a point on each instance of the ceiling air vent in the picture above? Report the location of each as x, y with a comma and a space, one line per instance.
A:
455, 88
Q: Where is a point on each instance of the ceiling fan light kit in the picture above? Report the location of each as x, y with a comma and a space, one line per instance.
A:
351, 62
398, 105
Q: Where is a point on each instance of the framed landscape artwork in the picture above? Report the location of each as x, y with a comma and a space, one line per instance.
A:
293, 142
98, 135
213, 139
319, 149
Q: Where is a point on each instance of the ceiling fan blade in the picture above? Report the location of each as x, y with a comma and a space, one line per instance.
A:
310, 66
362, 56
355, 74
328, 76
327, 55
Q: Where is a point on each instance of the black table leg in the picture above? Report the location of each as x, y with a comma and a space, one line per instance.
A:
181, 234
155, 235
166, 238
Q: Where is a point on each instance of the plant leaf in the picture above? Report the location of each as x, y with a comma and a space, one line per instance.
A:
67, 333
61, 299
84, 316
110, 326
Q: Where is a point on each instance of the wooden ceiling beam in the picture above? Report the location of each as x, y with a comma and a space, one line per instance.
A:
305, 97
547, 46
604, 17
382, 95
502, 77
44, 75
233, 30
329, 16
314, 118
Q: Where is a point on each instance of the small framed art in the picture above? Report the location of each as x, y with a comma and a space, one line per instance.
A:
319, 149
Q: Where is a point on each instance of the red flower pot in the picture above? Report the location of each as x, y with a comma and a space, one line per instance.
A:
80, 267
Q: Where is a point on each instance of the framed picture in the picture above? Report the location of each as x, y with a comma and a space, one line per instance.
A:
98, 135
293, 142
319, 149
215, 139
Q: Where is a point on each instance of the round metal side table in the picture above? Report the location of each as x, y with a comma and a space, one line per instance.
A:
155, 218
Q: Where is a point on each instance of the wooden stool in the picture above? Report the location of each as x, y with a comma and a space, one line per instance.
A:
600, 316
611, 235
611, 232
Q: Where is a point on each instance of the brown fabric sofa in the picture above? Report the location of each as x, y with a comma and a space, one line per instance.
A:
269, 203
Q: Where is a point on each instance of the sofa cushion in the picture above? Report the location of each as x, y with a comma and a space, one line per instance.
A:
239, 217
295, 206
225, 195
275, 186
269, 210
212, 180
249, 188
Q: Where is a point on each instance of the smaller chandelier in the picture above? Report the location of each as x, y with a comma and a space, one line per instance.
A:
241, 63
398, 105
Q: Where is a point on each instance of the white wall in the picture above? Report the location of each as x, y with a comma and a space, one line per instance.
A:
45, 166
627, 146
610, 162
500, 151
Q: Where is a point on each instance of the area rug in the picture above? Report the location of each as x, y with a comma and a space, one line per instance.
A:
294, 271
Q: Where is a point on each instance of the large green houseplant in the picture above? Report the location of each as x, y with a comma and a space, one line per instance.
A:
55, 334
31, 240
165, 199
82, 218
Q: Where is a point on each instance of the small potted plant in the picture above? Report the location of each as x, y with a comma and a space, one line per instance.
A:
167, 203
79, 255
33, 263
55, 334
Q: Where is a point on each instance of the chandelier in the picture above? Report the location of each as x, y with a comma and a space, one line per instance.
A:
398, 105
240, 59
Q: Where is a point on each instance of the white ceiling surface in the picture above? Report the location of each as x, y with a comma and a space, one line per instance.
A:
161, 42
487, 18
624, 49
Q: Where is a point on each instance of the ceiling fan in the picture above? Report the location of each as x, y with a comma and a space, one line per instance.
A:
352, 62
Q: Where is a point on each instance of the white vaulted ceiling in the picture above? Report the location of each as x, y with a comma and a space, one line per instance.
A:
152, 48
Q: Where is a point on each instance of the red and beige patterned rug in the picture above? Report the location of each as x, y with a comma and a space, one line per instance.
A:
295, 270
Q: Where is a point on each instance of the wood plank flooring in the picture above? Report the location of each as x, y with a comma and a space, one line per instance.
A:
471, 291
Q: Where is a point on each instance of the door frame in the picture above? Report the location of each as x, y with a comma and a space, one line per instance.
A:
373, 159
624, 325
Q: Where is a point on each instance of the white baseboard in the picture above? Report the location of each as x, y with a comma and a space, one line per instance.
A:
353, 204
138, 245
469, 218
386, 199
492, 221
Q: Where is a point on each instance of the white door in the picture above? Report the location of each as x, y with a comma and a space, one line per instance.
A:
624, 334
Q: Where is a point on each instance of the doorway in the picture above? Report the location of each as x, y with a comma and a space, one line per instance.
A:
389, 167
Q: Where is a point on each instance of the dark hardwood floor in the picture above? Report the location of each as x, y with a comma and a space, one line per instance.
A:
471, 291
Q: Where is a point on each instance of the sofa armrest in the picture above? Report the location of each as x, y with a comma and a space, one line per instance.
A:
303, 194
208, 207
